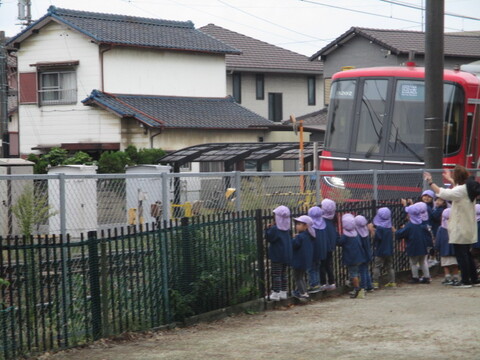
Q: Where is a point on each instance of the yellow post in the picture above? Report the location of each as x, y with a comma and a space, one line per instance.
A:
188, 209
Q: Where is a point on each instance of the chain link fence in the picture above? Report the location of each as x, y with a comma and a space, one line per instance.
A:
75, 204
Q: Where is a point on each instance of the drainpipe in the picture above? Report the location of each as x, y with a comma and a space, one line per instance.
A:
102, 51
152, 136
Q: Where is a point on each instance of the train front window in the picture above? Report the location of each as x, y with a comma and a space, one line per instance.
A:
407, 129
342, 101
372, 114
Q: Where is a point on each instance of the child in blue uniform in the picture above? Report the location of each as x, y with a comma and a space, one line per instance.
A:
448, 261
362, 230
319, 248
476, 247
279, 251
302, 254
327, 277
436, 215
383, 247
353, 254
415, 235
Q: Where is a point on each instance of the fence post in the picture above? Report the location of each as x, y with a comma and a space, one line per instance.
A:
104, 287
375, 184
64, 254
260, 251
96, 305
187, 252
318, 195
165, 202
162, 235
238, 190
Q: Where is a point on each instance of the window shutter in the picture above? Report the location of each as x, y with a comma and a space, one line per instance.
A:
28, 88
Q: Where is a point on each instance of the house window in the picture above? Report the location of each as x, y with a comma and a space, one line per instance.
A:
275, 107
312, 94
237, 87
260, 86
58, 87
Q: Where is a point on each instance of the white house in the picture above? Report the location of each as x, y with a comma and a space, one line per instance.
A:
271, 81
94, 82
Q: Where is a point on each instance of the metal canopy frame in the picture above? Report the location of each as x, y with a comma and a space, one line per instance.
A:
232, 153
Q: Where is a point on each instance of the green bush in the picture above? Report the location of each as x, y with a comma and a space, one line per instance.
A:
113, 162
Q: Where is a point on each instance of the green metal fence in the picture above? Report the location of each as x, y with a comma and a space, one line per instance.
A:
64, 292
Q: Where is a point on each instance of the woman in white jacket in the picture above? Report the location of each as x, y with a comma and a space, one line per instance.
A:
462, 225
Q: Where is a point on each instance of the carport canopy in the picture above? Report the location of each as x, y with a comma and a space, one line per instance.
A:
232, 153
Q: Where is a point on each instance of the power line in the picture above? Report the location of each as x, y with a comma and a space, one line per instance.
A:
367, 13
359, 11
417, 7
268, 21
216, 16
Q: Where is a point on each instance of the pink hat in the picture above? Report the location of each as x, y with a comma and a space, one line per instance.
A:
414, 213
383, 218
361, 225
328, 207
317, 216
282, 217
307, 220
348, 225
445, 217
423, 210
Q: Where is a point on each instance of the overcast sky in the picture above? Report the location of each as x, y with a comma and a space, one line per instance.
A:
303, 26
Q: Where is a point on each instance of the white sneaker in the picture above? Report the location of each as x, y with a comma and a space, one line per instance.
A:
331, 287
283, 295
275, 296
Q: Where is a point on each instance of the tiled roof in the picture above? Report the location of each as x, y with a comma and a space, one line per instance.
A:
402, 41
132, 31
179, 112
314, 121
259, 55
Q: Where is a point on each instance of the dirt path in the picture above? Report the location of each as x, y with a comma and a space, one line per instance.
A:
410, 322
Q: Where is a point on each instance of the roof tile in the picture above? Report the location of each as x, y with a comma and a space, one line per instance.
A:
260, 55
180, 112
135, 31
402, 41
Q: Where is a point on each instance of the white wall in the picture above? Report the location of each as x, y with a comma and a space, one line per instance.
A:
55, 124
293, 86
153, 72
57, 42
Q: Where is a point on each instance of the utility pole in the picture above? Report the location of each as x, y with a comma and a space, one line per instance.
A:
3, 91
434, 84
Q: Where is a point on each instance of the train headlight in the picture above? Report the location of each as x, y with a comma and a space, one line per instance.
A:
335, 181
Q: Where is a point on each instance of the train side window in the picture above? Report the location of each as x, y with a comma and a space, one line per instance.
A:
372, 114
453, 116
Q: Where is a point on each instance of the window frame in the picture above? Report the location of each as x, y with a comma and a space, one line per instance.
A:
273, 106
260, 86
312, 90
70, 99
237, 87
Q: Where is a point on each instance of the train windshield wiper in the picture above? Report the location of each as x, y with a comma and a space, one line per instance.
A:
378, 133
406, 146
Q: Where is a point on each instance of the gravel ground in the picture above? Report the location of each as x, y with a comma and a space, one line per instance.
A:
410, 322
